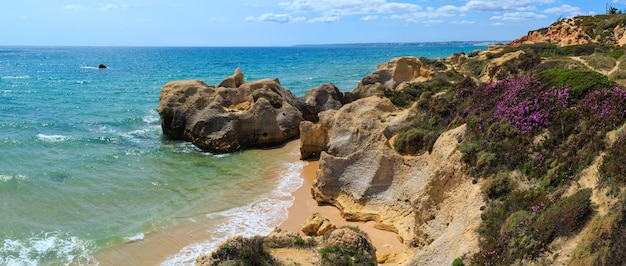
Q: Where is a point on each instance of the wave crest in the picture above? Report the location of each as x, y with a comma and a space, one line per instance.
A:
48, 248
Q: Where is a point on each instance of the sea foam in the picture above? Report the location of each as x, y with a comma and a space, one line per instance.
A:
16, 77
38, 250
52, 138
258, 218
7, 178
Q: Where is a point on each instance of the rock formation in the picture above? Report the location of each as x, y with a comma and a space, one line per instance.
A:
341, 246
391, 74
226, 119
426, 199
316, 225
325, 97
233, 81
606, 29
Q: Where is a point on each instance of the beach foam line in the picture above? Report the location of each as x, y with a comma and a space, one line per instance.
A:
258, 218
52, 138
45, 249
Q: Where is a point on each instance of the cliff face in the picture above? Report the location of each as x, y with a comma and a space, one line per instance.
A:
426, 199
604, 29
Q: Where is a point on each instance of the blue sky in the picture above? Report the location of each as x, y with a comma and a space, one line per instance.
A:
278, 22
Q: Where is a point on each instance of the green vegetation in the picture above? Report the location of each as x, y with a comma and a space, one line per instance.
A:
543, 121
243, 251
613, 168
600, 61
578, 82
341, 256
458, 262
603, 244
525, 222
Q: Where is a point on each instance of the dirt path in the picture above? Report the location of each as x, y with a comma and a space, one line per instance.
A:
613, 70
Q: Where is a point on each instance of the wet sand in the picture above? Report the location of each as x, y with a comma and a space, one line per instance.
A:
162, 244
304, 205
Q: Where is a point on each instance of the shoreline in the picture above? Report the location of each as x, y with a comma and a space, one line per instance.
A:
304, 206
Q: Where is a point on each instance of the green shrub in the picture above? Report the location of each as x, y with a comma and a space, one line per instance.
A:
458, 262
580, 82
613, 168
499, 186
603, 244
616, 53
336, 255
415, 141
244, 251
563, 216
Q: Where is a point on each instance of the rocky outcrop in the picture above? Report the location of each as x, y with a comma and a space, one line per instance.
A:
426, 199
233, 81
313, 140
325, 97
227, 119
316, 225
605, 29
391, 74
566, 32
342, 246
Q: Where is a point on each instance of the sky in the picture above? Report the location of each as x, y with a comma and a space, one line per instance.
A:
278, 22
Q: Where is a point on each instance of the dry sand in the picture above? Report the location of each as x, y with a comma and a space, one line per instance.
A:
304, 205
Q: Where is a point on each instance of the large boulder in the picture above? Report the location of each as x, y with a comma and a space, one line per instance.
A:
391, 74
223, 119
317, 225
325, 97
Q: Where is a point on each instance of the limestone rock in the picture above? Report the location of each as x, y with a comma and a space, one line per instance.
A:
233, 81
313, 140
391, 74
349, 238
325, 97
426, 199
219, 119
316, 225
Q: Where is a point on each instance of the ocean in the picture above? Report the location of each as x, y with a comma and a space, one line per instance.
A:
87, 178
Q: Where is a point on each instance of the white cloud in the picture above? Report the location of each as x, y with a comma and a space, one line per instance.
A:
108, 7
564, 9
278, 18
518, 16
369, 17
74, 7
462, 22
502, 5
331, 8
497, 24
325, 20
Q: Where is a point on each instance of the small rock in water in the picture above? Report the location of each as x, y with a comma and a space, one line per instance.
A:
102, 66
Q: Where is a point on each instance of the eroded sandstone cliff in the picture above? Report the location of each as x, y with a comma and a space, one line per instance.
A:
426, 199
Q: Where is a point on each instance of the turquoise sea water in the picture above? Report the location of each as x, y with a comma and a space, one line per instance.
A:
83, 164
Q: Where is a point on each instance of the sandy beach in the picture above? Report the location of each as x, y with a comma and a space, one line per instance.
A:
304, 205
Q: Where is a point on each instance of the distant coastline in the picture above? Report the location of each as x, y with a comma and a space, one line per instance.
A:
394, 44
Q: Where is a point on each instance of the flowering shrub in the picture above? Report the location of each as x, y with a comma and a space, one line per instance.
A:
527, 105
548, 132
